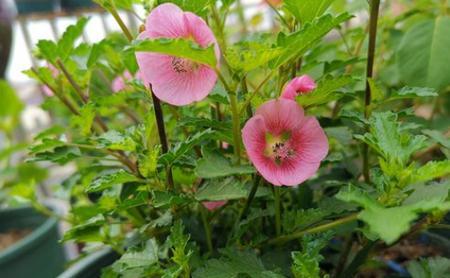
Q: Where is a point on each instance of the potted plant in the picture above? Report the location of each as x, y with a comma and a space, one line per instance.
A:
209, 150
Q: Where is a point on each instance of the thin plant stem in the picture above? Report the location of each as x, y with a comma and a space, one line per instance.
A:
72, 81
162, 134
257, 181
235, 117
373, 22
64, 100
207, 228
254, 93
122, 25
317, 229
236, 127
277, 204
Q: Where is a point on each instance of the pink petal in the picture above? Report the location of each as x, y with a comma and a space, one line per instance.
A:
296, 172
214, 205
254, 138
311, 141
166, 21
302, 84
281, 115
201, 32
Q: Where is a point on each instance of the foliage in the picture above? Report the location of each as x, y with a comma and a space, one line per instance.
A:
385, 177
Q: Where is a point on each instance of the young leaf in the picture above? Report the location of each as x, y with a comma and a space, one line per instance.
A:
325, 92
179, 48
388, 138
137, 260
420, 56
72, 33
184, 147
412, 92
307, 10
115, 140
107, 181
214, 165
431, 170
296, 44
306, 262
251, 55
229, 189
234, 264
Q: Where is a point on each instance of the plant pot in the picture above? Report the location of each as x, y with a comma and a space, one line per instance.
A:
76, 4
35, 6
7, 14
37, 255
91, 266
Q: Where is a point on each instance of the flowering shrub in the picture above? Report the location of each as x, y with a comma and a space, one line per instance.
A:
205, 152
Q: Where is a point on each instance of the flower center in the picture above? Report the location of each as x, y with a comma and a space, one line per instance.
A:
181, 65
278, 147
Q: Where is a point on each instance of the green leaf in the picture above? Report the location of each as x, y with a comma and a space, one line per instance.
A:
421, 56
67, 42
306, 263
431, 170
148, 162
301, 219
412, 92
179, 48
133, 258
107, 181
184, 147
10, 106
389, 139
436, 267
88, 231
438, 137
376, 92
296, 44
215, 165
60, 155
398, 219
179, 245
250, 55
438, 192
197, 6
228, 189
307, 10
325, 92
115, 140
234, 264
85, 119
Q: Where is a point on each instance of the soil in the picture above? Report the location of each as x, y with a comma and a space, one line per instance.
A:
12, 236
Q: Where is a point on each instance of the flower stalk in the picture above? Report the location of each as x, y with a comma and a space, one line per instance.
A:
276, 195
162, 134
373, 22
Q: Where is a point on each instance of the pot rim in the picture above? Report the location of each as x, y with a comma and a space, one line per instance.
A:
34, 238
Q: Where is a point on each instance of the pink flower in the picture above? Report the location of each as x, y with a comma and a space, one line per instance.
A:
177, 81
214, 205
285, 146
47, 91
299, 85
120, 82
